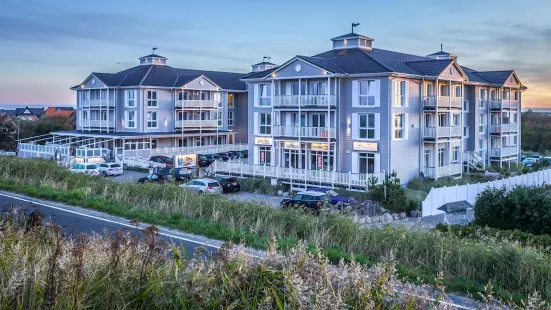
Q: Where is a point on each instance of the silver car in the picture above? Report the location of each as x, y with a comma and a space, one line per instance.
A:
110, 169
204, 186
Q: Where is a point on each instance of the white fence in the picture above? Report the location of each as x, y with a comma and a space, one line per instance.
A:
203, 149
31, 150
295, 175
439, 196
142, 163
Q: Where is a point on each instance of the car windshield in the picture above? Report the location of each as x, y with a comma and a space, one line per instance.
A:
203, 157
115, 166
331, 193
91, 167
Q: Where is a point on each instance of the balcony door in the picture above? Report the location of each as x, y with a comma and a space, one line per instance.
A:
441, 157
318, 120
429, 90
443, 120
294, 158
428, 158
296, 122
429, 120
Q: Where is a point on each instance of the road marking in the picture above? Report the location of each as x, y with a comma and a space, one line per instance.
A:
182, 238
118, 223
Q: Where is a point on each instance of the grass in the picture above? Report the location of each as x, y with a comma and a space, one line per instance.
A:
42, 269
426, 185
463, 264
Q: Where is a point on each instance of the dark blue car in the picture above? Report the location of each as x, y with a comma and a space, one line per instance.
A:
334, 196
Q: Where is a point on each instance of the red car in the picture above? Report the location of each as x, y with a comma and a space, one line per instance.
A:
162, 160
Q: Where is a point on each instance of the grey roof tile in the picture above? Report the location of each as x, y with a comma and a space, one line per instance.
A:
430, 67
110, 79
494, 77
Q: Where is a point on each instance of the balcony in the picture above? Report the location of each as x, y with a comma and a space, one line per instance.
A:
498, 104
443, 132
305, 132
211, 123
196, 104
97, 123
503, 128
429, 102
504, 152
305, 101
444, 171
100, 103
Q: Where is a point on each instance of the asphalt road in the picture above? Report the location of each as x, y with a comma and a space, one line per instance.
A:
77, 220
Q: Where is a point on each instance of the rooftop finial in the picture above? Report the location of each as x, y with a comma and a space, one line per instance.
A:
266, 58
441, 47
354, 25
154, 49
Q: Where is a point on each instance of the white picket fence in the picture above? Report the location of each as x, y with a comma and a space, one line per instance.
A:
295, 176
439, 196
142, 163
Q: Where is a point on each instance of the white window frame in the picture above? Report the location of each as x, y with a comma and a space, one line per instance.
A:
370, 89
456, 116
152, 102
465, 131
481, 144
367, 128
151, 121
267, 97
481, 124
130, 98
458, 87
267, 126
455, 155
230, 118
85, 115
366, 156
403, 126
400, 99
442, 152
220, 119
127, 121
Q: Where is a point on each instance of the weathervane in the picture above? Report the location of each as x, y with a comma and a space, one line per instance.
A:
266, 58
154, 49
354, 25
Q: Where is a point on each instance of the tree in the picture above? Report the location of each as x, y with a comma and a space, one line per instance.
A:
44, 125
7, 133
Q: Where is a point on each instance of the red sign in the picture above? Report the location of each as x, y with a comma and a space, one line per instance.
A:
261, 156
320, 162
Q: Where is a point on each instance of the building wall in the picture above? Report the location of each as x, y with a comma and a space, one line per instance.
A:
241, 119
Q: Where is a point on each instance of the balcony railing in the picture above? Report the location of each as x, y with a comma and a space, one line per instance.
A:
429, 102
447, 102
98, 103
444, 171
443, 132
96, 123
504, 152
313, 101
305, 132
503, 128
197, 123
196, 104
498, 104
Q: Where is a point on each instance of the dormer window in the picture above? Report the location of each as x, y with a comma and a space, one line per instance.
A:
352, 40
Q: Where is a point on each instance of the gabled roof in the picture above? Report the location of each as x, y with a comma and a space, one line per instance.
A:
494, 77
7, 112
350, 35
259, 74
166, 76
430, 67
323, 63
59, 111
33, 111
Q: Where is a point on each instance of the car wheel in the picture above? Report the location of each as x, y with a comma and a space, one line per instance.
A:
105, 173
200, 192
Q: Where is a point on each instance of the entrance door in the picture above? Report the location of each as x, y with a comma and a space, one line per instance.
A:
294, 159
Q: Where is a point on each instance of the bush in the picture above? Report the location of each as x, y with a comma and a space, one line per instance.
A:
525, 208
262, 186
391, 194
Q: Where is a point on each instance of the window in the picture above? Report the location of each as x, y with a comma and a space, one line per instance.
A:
367, 163
428, 158
401, 92
515, 95
265, 92
515, 117
84, 114
443, 120
466, 105
465, 132
481, 124
220, 118
230, 101
483, 96
230, 118
441, 157
399, 126
265, 123
481, 144
367, 126
130, 119
317, 88
265, 153
515, 141
152, 98
455, 154
130, 98
456, 120
152, 120
366, 88
458, 92
444, 90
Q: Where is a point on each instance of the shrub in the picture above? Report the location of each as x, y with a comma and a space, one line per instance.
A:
391, 194
525, 208
262, 186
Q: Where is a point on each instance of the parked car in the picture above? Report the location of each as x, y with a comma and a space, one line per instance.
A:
229, 184
201, 186
90, 169
155, 178
211, 158
334, 196
245, 153
308, 200
223, 156
240, 154
161, 159
232, 155
180, 174
202, 161
110, 169
530, 161
7, 153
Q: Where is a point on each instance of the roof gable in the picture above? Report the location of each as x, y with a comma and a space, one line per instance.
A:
495, 77
453, 72
306, 66
92, 81
199, 82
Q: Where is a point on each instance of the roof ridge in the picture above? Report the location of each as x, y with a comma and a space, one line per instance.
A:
510, 70
145, 76
427, 60
375, 60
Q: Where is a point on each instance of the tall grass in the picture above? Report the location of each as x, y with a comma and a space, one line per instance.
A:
467, 264
41, 269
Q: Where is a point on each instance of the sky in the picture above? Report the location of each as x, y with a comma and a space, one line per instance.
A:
47, 46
